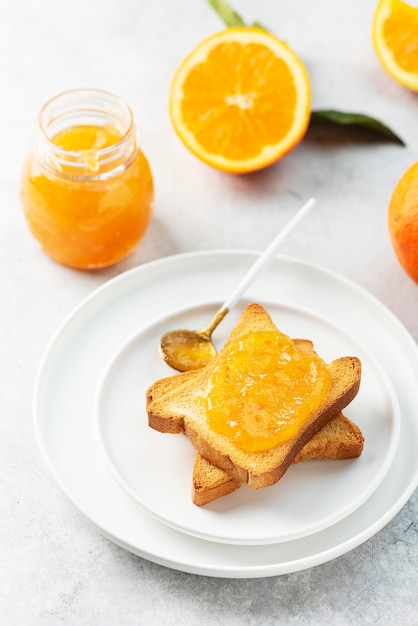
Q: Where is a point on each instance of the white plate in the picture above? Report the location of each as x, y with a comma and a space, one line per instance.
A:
156, 469
73, 366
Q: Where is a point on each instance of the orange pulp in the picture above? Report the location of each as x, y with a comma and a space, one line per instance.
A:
264, 390
94, 218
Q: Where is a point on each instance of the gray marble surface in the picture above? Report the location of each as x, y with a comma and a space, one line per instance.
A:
55, 568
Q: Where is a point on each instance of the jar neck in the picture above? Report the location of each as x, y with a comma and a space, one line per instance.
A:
104, 119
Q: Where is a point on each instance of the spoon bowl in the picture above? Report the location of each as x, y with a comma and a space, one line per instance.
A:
186, 350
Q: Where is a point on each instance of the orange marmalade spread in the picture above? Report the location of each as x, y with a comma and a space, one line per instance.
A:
87, 188
264, 389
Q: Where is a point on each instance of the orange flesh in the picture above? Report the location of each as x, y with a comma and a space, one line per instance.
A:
88, 223
400, 32
264, 390
237, 113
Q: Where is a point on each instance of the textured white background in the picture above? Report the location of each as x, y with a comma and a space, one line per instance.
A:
54, 568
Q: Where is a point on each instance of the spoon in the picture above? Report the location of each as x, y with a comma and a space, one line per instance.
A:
186, 350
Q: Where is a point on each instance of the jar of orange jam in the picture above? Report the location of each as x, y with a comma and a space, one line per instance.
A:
87, 188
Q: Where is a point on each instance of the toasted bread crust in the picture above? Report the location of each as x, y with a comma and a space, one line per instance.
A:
210, 482
339, 439
174, 405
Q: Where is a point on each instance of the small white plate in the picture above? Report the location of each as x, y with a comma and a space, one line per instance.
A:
156, 469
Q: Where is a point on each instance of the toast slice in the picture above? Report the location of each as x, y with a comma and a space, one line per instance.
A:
176, 405
339, 439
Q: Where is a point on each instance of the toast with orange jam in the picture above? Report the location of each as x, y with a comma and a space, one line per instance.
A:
252, 409
339, 439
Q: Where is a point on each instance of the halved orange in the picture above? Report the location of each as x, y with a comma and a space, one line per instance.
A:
395, 39
241, 100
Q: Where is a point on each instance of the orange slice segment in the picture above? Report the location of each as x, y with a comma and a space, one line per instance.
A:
395, 39
241, 100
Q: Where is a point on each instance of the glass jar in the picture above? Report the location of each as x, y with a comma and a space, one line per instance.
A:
87, 189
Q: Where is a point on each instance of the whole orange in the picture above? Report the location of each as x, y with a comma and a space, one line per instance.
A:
403, 221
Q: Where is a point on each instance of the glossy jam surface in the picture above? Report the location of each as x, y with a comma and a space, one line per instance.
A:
264, 390
185, 350
88, 221
87, 137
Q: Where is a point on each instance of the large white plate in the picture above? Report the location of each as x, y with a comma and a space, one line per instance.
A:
156, 470
74, 364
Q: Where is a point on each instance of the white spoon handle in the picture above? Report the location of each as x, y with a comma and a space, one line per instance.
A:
267, 255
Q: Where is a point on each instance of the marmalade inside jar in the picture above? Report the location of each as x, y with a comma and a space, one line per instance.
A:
87, 137
95, 215
264, 390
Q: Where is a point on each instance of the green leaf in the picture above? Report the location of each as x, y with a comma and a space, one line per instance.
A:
258, 25
341, 118
226, 13
229, 16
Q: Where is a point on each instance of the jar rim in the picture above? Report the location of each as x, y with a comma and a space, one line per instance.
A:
86, 107
87, 93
